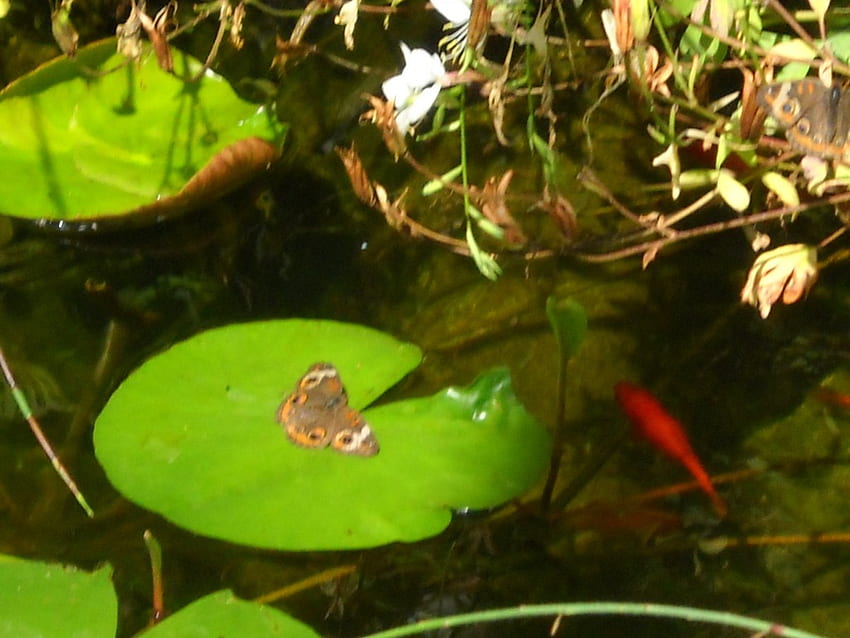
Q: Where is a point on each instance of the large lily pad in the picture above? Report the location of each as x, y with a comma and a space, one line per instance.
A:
192, 435
37, 599
81, 143
222, 615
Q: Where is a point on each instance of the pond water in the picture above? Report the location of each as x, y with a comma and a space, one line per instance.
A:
80, 311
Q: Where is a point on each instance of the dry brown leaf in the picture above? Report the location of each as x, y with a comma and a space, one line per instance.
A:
157, 30
752, 118
360, 183
561, 211
236, 19
495, 208
382, 115
393, 212
286, 50
479, 22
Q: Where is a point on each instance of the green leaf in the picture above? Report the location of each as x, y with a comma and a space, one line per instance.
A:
436, 185
698, 177
85, 147
793, 49
192, 434
696, 43
38, 599
569, 323
733, 192
782, 187
222, 614
485, 262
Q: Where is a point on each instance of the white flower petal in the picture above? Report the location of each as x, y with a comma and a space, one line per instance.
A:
455, 11
420, 106
347, 17
414, 91
397, 91
422, 68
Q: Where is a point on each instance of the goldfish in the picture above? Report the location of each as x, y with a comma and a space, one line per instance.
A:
832, 397
651, 420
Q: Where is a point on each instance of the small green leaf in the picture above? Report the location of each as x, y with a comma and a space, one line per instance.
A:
793, 49
569, 323
485, 263
486, 225
733, 192
698, 178
782, 187
436, 185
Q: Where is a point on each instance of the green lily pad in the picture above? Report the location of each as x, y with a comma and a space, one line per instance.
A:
192, 434
38, 599
222, 615
86, 146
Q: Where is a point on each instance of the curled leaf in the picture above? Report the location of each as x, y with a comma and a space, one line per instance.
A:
157, 30
495, 208
228, 169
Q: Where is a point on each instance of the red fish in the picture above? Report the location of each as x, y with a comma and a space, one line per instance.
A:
655, 424
832, 397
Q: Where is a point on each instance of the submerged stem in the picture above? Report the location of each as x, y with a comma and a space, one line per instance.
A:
26, 411
646, 610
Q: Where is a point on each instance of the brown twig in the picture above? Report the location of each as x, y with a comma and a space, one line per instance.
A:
311, 581
709, 229
157, 595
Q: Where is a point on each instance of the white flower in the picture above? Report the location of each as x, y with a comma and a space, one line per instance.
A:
414, 91
786, 273
347, 17
458, 13
455, 11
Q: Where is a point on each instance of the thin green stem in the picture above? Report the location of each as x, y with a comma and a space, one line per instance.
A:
646, 610
464, 172
558, 438
26, 411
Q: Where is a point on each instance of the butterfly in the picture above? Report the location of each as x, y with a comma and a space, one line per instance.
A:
816, 118
317, 415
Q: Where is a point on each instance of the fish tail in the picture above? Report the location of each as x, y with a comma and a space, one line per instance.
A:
705, 484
